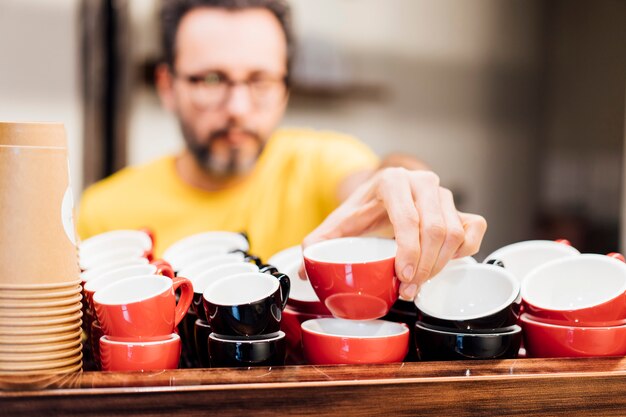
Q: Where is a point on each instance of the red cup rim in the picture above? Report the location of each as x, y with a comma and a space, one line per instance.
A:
308, 257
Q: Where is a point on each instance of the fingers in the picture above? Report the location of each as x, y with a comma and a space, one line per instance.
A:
433, 228
397, 197
455, 234
475, 227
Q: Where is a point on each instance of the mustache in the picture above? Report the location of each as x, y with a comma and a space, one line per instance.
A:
226, 131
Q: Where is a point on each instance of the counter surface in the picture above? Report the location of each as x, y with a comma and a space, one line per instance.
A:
592, 386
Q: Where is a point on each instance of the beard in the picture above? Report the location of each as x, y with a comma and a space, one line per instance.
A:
218, 156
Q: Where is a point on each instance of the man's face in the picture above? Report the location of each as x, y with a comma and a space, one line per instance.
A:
227, 88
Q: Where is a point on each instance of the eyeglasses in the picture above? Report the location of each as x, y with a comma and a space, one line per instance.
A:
212, 90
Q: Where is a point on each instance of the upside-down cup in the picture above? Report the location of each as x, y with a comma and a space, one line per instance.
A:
338, 341
142, 307
586, 290
469, 297
354, 277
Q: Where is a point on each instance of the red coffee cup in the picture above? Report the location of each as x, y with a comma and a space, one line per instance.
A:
354, 277
142, 307
140, 356
584, 290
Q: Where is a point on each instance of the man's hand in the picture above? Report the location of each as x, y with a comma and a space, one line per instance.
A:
411, 206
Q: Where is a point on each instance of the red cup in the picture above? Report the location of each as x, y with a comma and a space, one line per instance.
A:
584, 290
336, 341
290, 324
140, 356
142, 307
546, 340
354, 277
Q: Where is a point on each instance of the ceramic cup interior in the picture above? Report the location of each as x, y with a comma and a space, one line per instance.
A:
119, 274
93, 273
467, 292
351, 250
354, 329
108, 257
521, 257
241, 289
193, 270
220, 241
279, 335
114, 239
575, 283
202, 280
132, 290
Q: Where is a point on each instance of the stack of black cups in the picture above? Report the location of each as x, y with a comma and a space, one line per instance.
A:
243, 315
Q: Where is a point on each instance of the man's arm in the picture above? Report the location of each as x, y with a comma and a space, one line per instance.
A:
404, 197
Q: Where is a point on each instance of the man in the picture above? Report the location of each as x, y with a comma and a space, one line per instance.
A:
226, 79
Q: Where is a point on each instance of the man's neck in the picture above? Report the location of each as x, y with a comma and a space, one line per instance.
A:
191, 173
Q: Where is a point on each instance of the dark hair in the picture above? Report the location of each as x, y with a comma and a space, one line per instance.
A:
172, 12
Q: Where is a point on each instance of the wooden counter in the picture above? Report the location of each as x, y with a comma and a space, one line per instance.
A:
509, 387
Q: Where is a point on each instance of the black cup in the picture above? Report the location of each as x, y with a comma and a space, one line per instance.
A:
466, 297
248, 305
202, 330
508, 316
238, 353
438, 344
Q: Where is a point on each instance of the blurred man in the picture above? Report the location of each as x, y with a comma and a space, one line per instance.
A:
226, 78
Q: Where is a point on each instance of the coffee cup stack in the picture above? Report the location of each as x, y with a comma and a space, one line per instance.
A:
575, 307
468, 311
40, 295
244, 313
138, 317
355, 280
205, 258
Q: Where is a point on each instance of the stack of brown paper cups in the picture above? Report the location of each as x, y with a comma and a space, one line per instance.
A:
40, 295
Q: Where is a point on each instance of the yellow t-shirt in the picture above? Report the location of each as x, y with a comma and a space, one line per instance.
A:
291, 190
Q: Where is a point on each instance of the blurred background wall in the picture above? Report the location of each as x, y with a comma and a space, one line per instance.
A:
40, 77
517, 104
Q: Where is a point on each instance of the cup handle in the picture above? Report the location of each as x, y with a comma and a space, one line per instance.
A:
496, 262
248, 257
186, 297
245, 236
617, 256
563, 241
285, 287
268, 269
149, 254
163, 268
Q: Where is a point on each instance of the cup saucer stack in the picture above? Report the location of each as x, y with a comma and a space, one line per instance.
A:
468, 312
354, 279
40, 295
576, 307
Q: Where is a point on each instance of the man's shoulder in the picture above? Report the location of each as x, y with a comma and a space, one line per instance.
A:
129, 180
